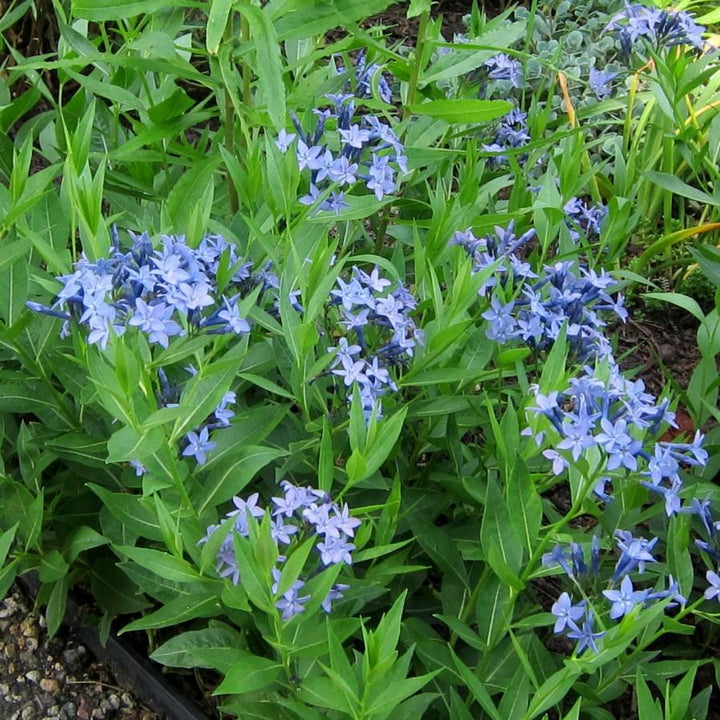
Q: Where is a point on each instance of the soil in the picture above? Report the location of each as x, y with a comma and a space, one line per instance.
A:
44, 678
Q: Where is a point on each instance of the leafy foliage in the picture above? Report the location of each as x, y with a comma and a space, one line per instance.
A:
307, 351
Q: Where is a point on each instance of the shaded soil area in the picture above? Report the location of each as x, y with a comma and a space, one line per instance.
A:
44, 678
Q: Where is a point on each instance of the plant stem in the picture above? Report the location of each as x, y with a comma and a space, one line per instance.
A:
230, 128
417, 63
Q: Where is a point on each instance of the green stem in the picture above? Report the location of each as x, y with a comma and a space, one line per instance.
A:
417, 63
230, 130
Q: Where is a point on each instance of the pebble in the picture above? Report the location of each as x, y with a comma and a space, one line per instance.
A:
33, 676
49, 685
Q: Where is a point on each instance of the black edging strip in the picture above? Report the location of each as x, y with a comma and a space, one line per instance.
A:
142, 679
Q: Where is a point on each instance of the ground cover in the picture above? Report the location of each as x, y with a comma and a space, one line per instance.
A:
338, 365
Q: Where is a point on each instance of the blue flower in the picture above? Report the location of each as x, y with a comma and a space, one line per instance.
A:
156, 321
714, 590
586, 636
635, 553
600, 82
566, 613
502, 67
284, 140
198, 445
624, 599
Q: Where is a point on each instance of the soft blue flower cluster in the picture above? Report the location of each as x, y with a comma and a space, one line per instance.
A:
301, 512
577, 621
163, 292
603, 411
382, 335
512, 132
584, 218
503, 67
345, 146
544, 303
661, 28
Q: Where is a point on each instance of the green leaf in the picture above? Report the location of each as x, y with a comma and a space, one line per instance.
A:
204, 392
500, 537
11, 251
552, 691
648, 708
463, 112
161, 563
297, 19
268, 61
294, 565
418, 7
8, 573
675, 185
6, 540
682, 301
248, 674
388, 630
466, 57
102, 10
128, 444
217, 20
177, 611
378, 448
80, 539
231, 475
52, 567
476, 688
214, 647
132, 511
254, 581
56, 605
524, 506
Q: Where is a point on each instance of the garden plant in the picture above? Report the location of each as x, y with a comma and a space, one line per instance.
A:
309, 370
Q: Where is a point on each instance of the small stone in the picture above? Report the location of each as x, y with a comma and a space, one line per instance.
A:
114, 701
31, 644
49, 685
8, 607
33, 676
69, 709
83, 711
28, 628
28, 713
53, 711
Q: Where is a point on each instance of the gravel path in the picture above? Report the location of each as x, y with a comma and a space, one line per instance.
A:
54, 679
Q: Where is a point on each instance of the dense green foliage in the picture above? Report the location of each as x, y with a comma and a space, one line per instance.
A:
307, 349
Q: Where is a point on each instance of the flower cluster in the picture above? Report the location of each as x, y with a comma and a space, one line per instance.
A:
577, 620
512, 132
344, 148
584, 218
658, 27
498, 251
545, 303
301, 512
382, 335
503, 67
558, 298
614, 415
163, 292
600, 82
